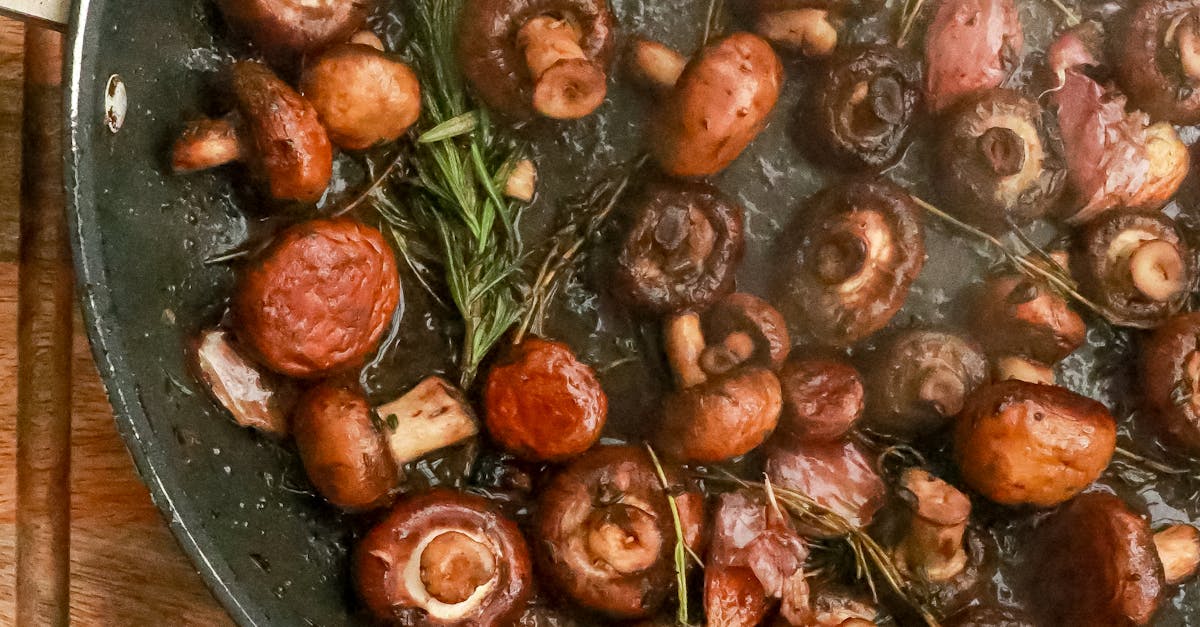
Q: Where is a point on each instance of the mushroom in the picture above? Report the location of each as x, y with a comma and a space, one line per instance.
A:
1158, 58
447, 558
1135, 264
865, 99
1178, 548
994, 161
851, 257
807, 30
344, 455
920, 379
971, 46
287, 29
1170, 380
318, 300
522, 182
722, 418
605, 533
1102, 560
364, 96
655, 65
718, 106
254, 396
833, 605
823, 398
1015, 315
740, 330
275, 131
1022, 368
681, 250
838, 475
545, 57
431, 416
542, 403
986, 615
1020, 443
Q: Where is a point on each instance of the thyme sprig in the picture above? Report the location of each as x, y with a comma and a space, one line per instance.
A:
909, 11
1141, 462
682, 550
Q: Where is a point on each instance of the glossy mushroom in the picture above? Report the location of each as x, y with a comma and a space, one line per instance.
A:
681, 249
1020, 443
1136, 264
446, 558
542, 403
287, 29
920, 379
1019, 316
823, 398
971, 46
739, 330
363, 96
253, 395
718, 106
851, 256
604, 532
995, 166
1170, 380
838, 475
723, 417
544, 57
863, 105
1157, 48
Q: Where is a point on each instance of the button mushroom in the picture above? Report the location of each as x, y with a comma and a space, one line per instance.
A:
681, 249
655, 65
286, 29
1158, 58
920, 379
863, 105
823, 398
1020, 443
723, 417
853, 253
994, 162
543, 404
447, 558
719, 106
1017, 315
1135, 264
971, 46
739, 330
319, 299
363, 96
545, 57
275, 131
605, 533
1170, 380
254, 396
838, 475
1102, 560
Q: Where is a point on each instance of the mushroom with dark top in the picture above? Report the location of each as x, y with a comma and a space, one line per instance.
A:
1157, 47
919, 380
823, 398
740, 330
838, 475
723, 417
1016, 315
994, 160
287, 29
864, 102
548, 57
1020, 443
605, 533
1170, 378
363, 96
253, 395
971, 46
853, 254
1135, 264
447, 558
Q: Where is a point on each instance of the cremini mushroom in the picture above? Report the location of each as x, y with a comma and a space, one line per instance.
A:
1170, 380
823, 397
288, 29
723, 417
1158, 58
1016, 315
655, 65
363, 96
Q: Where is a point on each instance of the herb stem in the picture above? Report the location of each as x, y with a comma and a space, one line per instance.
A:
681, 548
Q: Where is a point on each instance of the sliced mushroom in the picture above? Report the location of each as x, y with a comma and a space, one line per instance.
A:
1158, 58
444, 557
431, 416
971, 46
1019, 316
1135, 264
723, 417
254, 396
364, 96
287, 29
655, 65
1178, 548
1170, 378
851, 257
823, 398
838, 475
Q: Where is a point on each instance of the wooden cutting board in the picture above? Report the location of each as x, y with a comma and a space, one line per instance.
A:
125, 567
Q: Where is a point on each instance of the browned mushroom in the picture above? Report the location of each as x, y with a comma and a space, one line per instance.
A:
722, 418
1178, 548
364, 96
1170, 378
286, 29
543, 404
1158, 58
445, 558
863, 105
852, 255
839, 475
253, 395
1019, 316
971, 46
605, 533
920, 380
740, 330
803, 27
681, 250
655, 65
276, 131
1136, 264
823, 398
1024, 443
1102, 560
549, 57
995, 166
719, 106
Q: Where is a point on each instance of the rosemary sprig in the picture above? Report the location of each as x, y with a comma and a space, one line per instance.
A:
682, 550
909, 11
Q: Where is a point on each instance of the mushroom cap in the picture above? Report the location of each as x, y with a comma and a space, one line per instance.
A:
722, 418
1101, 557
745, 313
364, 96
1170, 380
823, 397
839, 475
286, 29
495, 65
1148, 72
1025, 443
1017, 315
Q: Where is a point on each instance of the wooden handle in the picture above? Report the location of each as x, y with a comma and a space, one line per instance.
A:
44, 330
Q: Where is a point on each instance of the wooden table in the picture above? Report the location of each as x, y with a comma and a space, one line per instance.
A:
125, 567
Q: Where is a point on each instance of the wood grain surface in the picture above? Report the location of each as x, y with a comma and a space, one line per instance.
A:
125, 567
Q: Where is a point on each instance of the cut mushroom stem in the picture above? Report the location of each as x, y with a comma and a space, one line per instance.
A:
933, 549
1022, 369
685, 345
1157, 269
367, 38
453, 568
1178, 547
943, 389
567, 85
624, 537
656, 65
1187, 41
522, 182
807, 31
431, 416
735, 350
1003, 150
206, 144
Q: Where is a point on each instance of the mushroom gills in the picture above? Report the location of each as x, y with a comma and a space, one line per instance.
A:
460, 561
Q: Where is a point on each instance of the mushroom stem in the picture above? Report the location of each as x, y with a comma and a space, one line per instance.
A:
655, 65
1178, 548
1157, 270
367, 38
807, 31
430, 416
1023, 369
624, 537
733, 351
455, 565
684, 339
1003, 149
567, 85
1187, 42
522, 182
933, 549
205, 144
943, 389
